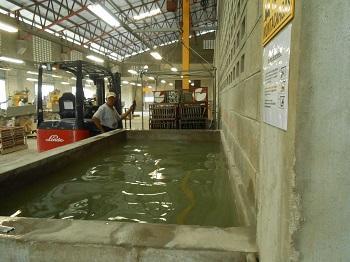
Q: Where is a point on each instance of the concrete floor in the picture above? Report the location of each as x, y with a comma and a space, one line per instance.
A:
136, 122
21, 154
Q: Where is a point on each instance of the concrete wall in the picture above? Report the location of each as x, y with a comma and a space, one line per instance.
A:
262, 155
239, 92
16, 77
297, 179
323, 124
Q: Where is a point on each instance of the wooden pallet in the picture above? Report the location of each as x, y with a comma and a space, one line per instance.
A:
12, 139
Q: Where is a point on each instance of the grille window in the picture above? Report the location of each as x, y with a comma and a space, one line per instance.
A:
42, 50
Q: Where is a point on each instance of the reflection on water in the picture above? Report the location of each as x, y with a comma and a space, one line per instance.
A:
143, 182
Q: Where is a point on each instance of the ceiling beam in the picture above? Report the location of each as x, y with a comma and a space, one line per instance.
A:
127, 28
195, 28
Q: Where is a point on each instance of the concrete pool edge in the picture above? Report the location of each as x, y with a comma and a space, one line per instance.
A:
233, 239
175, 134
70, 148
19, 173
32, 235
244, 205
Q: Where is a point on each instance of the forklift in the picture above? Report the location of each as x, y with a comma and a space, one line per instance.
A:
75, 111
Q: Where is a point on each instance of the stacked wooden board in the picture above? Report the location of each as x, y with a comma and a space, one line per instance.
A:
163, 116
192, 116
12, 139
179, 109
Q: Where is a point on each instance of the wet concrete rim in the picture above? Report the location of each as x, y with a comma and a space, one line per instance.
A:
123, 234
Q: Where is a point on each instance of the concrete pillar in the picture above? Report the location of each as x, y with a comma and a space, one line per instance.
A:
322, 131
300, 176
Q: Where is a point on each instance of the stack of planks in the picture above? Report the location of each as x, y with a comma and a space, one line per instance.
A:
163, 116
12, 139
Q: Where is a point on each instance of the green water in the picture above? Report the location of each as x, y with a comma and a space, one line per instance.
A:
140, 181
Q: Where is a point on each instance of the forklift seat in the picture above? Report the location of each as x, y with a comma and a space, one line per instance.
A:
67, 105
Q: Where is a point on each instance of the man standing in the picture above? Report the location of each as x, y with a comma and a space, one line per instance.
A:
106, 118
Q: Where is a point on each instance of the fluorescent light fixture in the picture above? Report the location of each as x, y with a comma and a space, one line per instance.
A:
125, 82
32, 73
133, 72
32, 79
163, 81
173, 69
5, 69
171, 84
147, 14
139, 85
156, 55
103, 14
11, 60
3, 11
56, 76
8, 28
95, 59
133, 84
151, 78
64, 83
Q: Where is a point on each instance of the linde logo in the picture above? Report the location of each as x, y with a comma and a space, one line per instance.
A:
54, 138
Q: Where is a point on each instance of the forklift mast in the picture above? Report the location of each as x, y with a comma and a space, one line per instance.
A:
81, 68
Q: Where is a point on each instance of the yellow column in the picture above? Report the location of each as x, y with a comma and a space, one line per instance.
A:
186, 42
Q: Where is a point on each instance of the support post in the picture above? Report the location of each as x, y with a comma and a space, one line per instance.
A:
100, 87
39, 102
79, 97
142, 99
185, 43
116, 81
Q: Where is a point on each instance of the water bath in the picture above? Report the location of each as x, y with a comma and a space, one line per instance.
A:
150, 181
34, 239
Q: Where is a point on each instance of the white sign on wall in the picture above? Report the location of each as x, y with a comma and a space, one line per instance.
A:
275, 79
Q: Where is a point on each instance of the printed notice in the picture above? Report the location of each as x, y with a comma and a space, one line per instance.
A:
275, 79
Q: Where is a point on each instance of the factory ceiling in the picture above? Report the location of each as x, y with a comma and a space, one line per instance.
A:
118, 29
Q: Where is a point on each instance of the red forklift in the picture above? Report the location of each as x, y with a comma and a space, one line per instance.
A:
75, 111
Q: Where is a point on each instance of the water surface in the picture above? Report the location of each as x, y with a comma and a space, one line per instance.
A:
139, 181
